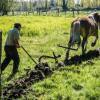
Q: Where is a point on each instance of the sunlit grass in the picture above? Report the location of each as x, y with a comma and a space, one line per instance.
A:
40, 36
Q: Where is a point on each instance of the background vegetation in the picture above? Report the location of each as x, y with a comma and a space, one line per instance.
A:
26, 7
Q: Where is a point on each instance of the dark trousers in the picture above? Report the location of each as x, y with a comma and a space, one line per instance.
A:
11, 54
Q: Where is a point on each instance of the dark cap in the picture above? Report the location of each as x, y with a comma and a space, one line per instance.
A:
17, 25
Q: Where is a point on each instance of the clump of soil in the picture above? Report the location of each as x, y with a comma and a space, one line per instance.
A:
15, 90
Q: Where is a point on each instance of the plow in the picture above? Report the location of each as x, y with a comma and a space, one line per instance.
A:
41, 71
61, 46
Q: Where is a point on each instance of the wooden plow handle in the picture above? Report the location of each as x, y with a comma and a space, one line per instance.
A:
50, 57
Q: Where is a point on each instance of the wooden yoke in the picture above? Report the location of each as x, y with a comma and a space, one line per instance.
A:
0, 46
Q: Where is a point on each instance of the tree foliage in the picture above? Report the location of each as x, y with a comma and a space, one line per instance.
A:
28, 5
5, 6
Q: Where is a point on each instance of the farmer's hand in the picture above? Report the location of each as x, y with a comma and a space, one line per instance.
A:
18, 46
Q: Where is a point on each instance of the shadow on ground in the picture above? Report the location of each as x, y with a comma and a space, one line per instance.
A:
78, 59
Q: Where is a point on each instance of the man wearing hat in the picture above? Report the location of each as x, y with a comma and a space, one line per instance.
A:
11, 45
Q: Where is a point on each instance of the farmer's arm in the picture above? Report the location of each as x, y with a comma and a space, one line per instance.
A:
17, 43
16, 40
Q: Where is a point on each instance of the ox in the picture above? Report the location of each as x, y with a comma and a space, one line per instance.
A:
83, 26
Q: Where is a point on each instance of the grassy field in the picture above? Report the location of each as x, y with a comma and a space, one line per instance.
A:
40, 36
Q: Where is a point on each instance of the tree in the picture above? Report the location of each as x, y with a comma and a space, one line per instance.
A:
30, 3
52, 3
46, 5
90, 3
5, 6
64, 5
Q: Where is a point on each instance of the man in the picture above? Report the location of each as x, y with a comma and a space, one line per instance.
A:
11, 45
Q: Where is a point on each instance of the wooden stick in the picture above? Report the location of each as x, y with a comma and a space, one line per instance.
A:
0, 59
29, 55
0, 47
67, 47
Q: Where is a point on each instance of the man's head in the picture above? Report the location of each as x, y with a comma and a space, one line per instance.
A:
17, 25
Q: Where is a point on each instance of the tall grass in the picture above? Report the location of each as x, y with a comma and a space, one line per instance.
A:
35, 25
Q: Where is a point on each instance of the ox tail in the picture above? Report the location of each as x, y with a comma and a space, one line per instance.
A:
75, 32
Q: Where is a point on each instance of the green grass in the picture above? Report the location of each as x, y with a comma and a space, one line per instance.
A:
40, 36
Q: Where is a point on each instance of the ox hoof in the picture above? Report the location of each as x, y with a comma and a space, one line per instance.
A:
93, 44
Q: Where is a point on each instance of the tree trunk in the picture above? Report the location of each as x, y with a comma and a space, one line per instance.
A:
0, 47
13, 12
0, 58
73, 10
46, 6
64, 6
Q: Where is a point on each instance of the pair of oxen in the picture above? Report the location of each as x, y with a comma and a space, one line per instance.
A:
83, 27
